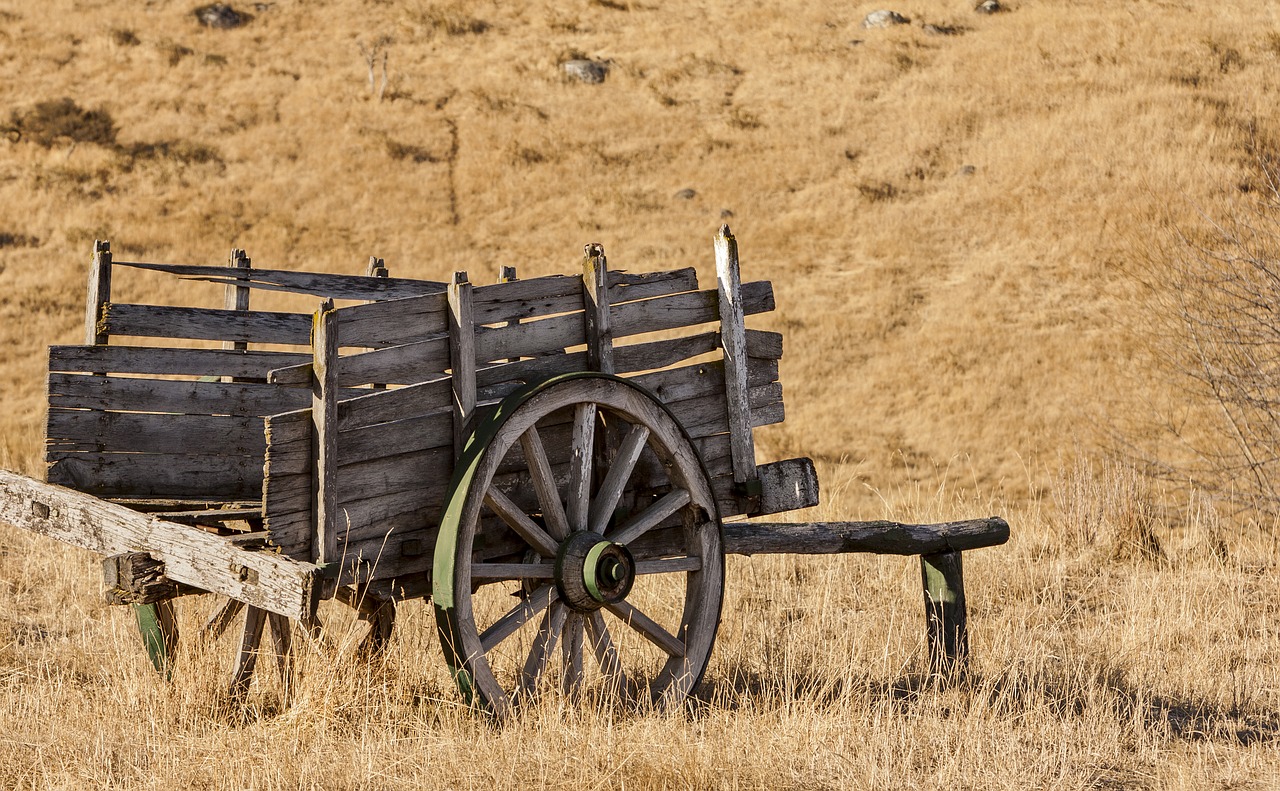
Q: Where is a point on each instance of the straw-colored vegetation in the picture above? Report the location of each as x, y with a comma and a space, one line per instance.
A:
949, 223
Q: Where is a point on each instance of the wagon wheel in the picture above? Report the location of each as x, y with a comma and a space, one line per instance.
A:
158, 626
621, 551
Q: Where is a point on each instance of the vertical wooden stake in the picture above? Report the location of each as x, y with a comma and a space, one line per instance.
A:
159, 630
945, 616
377, 267
237, 297
324, 432
733, 339
507, 274
462, 357
595, 301
99, 293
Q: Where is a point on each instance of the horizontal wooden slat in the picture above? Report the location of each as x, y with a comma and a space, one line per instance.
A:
685, 310
625, 286
389, 405
79, 391
321, 285
167, 361
157, 474
131, 432
886, 538
190, 554
522, 299
250, 326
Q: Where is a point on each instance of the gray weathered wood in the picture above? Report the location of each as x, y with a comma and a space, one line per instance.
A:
237, 294
138, 578
321, 285
99, 293
462, 357
215, 478
135, 432
324, 434
190, 555
946, 619
163, 321
733, 337
247, 657
595, 303
163, 361
627, 287
248, 399
787, 485
885, 538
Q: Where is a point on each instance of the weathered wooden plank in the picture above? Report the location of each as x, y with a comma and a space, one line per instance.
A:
521, 299
78, 391
880, 537
134, 432
595, 303
324, 434
389, 405
733, 338
626, 287
686, 310
764, 344
190, 555
98, 294
946, 617
169, 361
787, 485
462, 357
138, 578
321, 285
215, 477
163, 321
236, 296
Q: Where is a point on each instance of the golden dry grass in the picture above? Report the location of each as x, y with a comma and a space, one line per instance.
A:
951, 338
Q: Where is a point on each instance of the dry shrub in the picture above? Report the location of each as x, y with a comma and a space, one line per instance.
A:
47, 122
1112, 509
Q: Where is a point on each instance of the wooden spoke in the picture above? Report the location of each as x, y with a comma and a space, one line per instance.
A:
247, 658
518, 521
616, 479
544, 483
668, 565
512, 571
649, 628
571, 654
579, 492
517, 616
543, 646
650, 517
607, 656
221, 619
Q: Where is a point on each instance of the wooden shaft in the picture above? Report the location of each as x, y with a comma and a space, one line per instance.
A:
99, 293
884, 538
595, 299
946, 619
324, 434
733, 338
462, 357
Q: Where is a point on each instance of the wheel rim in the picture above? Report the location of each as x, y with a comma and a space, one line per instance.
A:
616, 555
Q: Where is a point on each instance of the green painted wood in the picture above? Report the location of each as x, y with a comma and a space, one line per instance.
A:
946, 619
159, 630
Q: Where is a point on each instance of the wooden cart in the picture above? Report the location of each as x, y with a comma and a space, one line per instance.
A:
551, 461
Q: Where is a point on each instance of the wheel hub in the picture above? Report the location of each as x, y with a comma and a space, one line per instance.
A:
592, 572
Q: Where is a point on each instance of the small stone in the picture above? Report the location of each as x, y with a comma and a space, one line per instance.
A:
591, 72
856, 42
688, 193
220, 16
884, 19
989, 7
967, 170
262, 7
726, 214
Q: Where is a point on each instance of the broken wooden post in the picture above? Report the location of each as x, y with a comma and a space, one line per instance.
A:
99, 293
462, 357
733, 339
944, 610
595, 300
324, 433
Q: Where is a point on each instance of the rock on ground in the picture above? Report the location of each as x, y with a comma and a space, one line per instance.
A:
588, 71
884, 19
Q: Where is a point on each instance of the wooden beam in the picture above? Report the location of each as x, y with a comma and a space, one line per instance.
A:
321, 285
138, 578
190, 555
324, 434
946, 618
595, 303
99, 293
733, 338
884, 538
462, 357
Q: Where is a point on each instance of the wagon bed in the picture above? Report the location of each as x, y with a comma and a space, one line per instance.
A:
447, 440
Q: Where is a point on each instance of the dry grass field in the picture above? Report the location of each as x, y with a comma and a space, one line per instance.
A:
949, 222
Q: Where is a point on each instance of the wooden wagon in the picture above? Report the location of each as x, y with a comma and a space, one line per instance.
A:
551, 461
